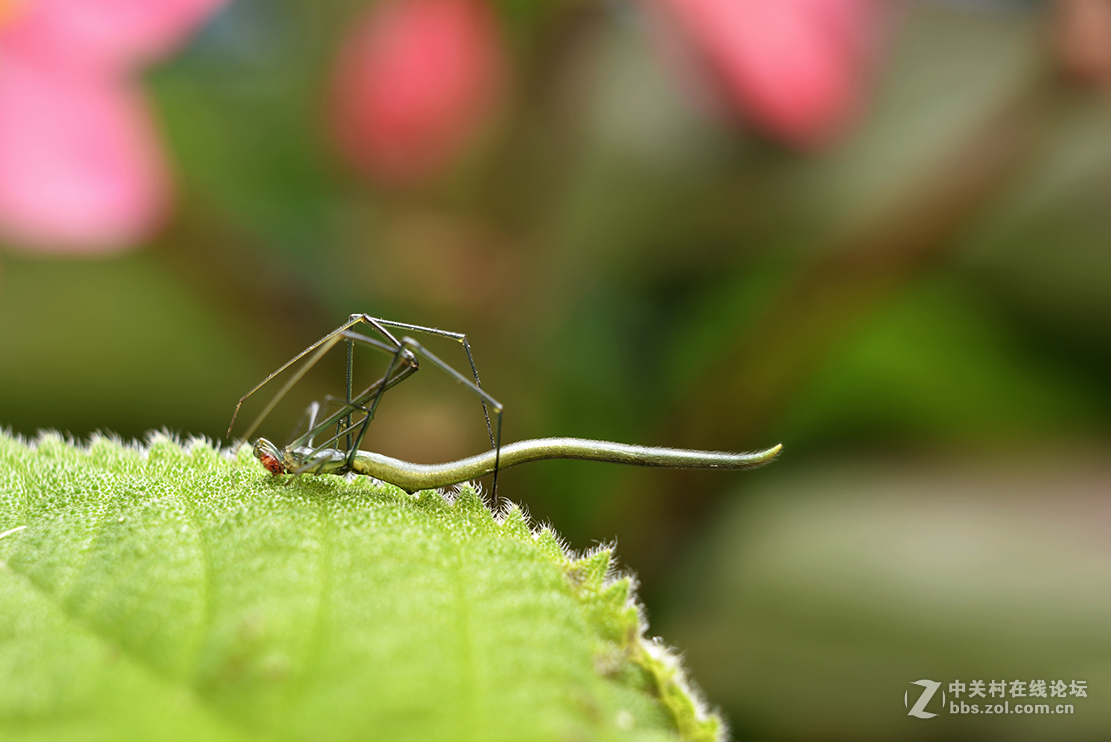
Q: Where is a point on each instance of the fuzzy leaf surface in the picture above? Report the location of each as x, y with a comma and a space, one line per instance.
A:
172, 592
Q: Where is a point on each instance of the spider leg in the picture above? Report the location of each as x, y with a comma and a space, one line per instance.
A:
488, 402
345, 424
311, 412
353, 448
402, 365
459, 337
390, 345
493, 430
315, 463
321, 346
348, 409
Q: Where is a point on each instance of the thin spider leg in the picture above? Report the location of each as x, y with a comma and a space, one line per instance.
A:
400, 356
311, 413
420, 350
352, 449
459, 337
348, 409
393, 377
315, 463
346, 424
380, 326
333, 419
314, 410
377, 324
324, 348
328, 340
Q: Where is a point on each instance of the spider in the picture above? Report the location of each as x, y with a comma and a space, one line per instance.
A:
303, 456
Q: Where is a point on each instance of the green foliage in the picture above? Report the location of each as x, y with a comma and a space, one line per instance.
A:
174, 592
938, 364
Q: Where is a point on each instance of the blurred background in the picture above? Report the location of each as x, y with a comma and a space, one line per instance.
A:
875, 231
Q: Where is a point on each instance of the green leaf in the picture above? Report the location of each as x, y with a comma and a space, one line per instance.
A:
175, 592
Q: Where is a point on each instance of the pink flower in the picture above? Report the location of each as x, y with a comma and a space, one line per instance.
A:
1083, 40
414, 82
81, 169
798, 69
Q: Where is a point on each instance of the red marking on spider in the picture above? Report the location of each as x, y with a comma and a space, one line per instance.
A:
271, 464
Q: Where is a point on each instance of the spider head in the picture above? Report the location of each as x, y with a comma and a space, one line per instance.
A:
270, 456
